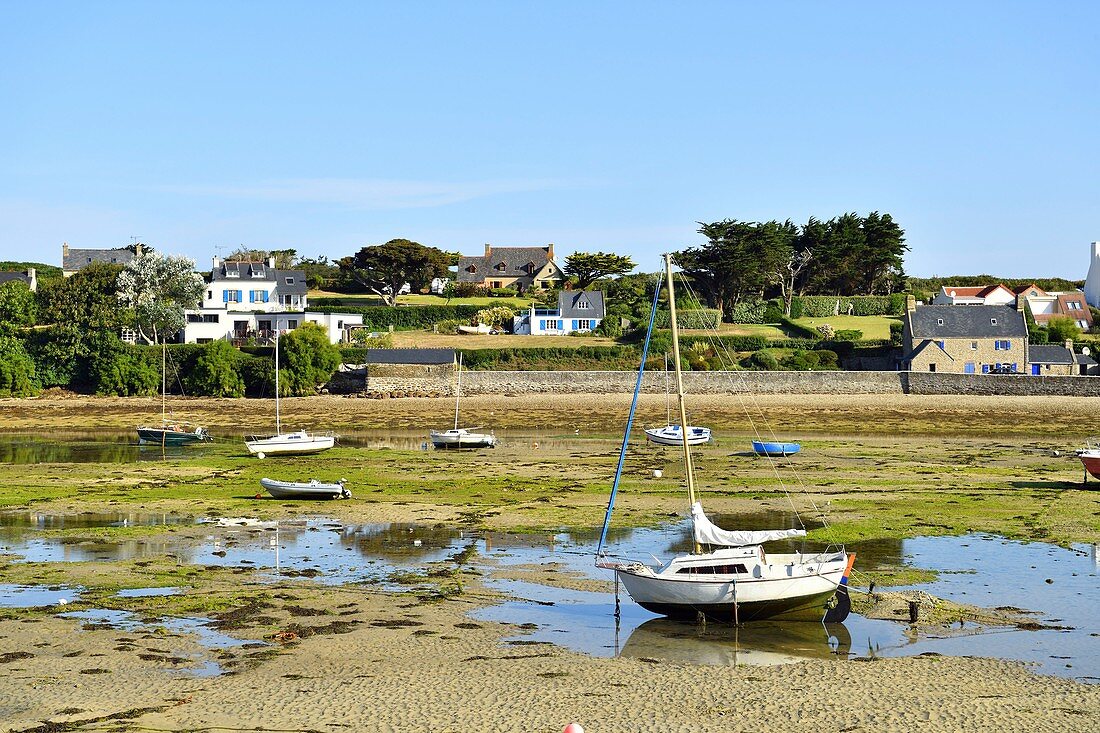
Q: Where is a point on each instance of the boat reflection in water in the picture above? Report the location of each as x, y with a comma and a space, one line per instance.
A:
762, 643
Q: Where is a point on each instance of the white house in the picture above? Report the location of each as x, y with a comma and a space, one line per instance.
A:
251, 300
976, 295
578, 311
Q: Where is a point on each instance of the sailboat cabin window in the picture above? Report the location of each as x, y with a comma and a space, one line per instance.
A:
714, 569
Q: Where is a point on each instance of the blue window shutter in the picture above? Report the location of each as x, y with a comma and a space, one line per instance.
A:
1008, 345
575, 326
997, 345
940, 343
240, 299
265, 296
985, 369
251, 296
542, 324
225, 296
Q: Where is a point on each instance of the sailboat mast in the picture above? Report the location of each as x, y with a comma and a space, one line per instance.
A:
278, 422
163, 380
689, 469
668, 398
458, 390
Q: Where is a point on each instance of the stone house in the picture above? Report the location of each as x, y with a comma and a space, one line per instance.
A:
1053, 360
979, 339
28, 277
505, 267
74, 260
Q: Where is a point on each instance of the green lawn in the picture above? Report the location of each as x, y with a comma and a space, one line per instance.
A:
873, 327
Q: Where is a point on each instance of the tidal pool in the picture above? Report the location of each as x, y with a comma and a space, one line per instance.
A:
35, 596
88, 448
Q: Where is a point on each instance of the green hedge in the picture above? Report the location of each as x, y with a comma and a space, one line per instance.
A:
823, 306
701, 318
405, 318
798, 329
581, 358
751, 311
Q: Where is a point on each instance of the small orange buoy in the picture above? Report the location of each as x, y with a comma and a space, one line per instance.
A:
258, 496
573, 728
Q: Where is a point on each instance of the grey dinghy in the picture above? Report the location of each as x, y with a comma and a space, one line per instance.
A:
312, 490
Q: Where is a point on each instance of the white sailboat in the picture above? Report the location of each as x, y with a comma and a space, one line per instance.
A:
733, 579
672, 434
286, 444
170, 431
457, 437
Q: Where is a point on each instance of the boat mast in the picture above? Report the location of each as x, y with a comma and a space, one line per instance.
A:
458, 390
668, 398
163, 380
278, 422
688, 467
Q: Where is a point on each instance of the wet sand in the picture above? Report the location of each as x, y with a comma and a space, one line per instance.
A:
396, 662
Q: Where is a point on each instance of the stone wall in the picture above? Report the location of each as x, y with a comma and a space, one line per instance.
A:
410, 380
1000, 384
694, 382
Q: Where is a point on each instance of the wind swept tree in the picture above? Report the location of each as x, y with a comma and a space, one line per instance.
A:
588, 267
385, 268
156, 289
738, 260
787, 276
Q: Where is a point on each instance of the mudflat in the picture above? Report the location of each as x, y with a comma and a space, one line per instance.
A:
361, 657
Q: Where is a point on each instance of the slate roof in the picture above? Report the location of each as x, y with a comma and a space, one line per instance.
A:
1086, 360
410, 356
76, 259
973, 321
7, 277
517, 261
570, 301
926, 344
260, 272
1050, 354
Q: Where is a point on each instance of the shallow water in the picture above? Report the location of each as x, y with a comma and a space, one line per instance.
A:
977, 569
34, 596
89, 448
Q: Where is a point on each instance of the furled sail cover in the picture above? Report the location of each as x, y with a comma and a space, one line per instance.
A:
707, 533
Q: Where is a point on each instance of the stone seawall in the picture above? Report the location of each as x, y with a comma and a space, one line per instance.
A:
694, 382
1000, 384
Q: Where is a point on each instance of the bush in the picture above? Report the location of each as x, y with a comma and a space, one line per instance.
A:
763, 360
18, 305
773, 311
848, 334
827, 359
121, 369
217, 372
897, 331
504, 293
455, 289
751, 311
1062, 328
707, 318
495, 317
17, 374
258, 374
826, 331
307, 360
802, 361
611, 327
799, 330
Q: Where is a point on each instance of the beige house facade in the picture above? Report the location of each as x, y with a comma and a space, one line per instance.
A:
522, 268
980, 339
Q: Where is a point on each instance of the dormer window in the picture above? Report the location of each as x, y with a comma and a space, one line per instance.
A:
471, 269
501, 267
289, 280
939, 321
583, 305
992, 321
530, 268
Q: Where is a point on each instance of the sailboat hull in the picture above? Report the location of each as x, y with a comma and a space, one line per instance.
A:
159, 436
781, 588
290, 444
461, 439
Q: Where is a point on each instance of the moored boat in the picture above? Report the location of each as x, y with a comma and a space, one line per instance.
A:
727, 576
171, 434
462, 438
1090, 457
310, 490
768, 448
674, 435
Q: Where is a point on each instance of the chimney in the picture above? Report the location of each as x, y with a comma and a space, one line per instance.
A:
488, 249
550, 251
32, 275
271, 262
1069, 345
217, 263
137, 249
910, 303
64, 251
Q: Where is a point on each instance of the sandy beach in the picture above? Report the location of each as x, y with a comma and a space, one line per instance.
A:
357, 657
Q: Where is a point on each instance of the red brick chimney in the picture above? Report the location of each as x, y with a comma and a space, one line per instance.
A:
550, 251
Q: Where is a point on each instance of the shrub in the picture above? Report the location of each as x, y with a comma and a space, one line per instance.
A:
121, 369
611, 327
216, 372
827, 359
258, 374
495, 317
773, 312
18, 305
504, 293
17, 374
1062, 328
823, 306
455, 289
826, 331
799, 330
848, 334
307, 359
763, 360
802, 361
897, 330
750, 311
405, 318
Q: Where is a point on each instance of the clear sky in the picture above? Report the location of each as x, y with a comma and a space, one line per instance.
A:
595, 125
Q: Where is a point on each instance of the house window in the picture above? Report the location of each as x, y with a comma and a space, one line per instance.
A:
553, 325
501, 267
931, 367
289, 280
203, 341
495, 284
985, 369
264, 325
968, 368
471, 269
232, 296
257, 296
292, 324
973, 345
992, 321
939, 321
1082, 324
194, 318
209, 317
583, 305
1074, 306
584, 325
209, 294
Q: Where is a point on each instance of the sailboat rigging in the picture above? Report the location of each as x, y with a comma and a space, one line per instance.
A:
286, 444
170, 432
461, 437
727, 575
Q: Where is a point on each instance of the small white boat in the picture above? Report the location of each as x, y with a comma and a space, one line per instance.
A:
462, 438
311, 490
287, 444
290, 444
674, 435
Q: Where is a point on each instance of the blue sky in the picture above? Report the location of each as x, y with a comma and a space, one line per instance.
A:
596, 126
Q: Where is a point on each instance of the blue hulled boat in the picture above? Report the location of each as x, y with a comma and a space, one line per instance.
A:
764, 448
